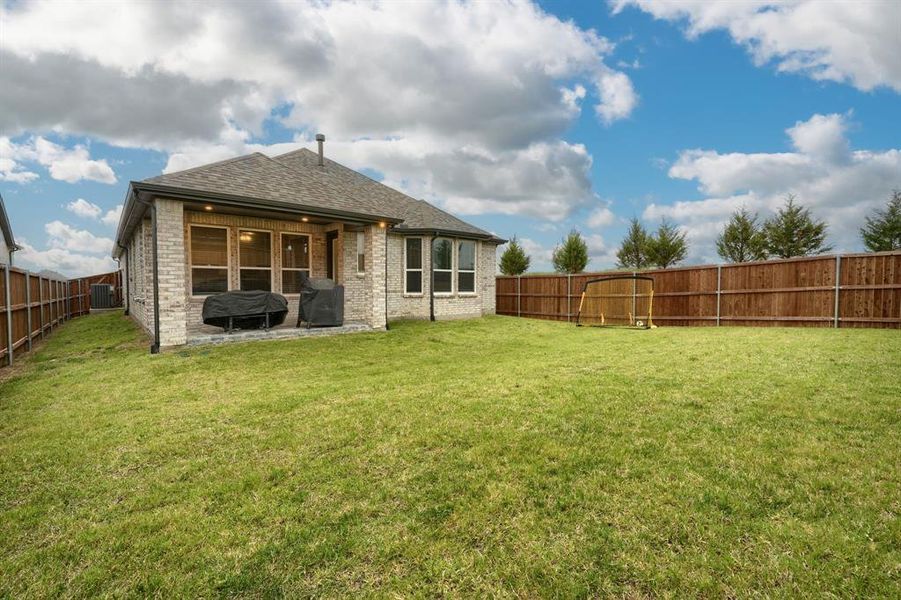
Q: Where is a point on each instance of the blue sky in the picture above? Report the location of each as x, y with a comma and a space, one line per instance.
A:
524, 119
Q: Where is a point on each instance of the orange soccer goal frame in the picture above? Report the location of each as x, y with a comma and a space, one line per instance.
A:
617, 301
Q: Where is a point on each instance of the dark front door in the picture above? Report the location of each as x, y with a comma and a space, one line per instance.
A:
331, 243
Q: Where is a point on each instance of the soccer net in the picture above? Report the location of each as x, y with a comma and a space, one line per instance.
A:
617, 301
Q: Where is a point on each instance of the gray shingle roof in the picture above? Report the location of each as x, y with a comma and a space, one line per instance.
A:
296, 178
256, 176
416, 214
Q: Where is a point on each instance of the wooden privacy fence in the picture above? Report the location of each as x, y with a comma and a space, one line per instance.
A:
32, 305
850, 290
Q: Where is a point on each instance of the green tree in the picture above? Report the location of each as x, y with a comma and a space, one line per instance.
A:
742, 239
514, 260
667, 247
572, 255
793, 232
883, 230
633, 252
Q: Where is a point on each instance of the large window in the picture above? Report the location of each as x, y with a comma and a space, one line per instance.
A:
361, 252
413, 265
466, 267
255, 258
209, 260
443, 266
295, 262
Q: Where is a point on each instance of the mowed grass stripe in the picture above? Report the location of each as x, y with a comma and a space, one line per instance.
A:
499, 456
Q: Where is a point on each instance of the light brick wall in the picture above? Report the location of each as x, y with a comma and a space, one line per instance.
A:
357, 297
137, 252
375, 247
456, 305
357, 286
172, 280
364, 293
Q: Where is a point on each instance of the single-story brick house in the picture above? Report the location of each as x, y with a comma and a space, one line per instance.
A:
258, 222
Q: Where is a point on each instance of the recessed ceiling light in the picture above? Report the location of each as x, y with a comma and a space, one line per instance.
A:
304, 219
207, 207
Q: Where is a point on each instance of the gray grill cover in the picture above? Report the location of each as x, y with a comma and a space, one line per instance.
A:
321, 303
244, 310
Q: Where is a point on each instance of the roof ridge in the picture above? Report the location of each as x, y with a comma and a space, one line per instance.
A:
207, 165
290, 152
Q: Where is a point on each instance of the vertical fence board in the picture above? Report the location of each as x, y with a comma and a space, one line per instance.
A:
36, 304
865, 291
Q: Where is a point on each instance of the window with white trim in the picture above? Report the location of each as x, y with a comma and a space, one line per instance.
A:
466, 267
412, 265
209, 260
255, 260
295, 262
443, 266
361, 252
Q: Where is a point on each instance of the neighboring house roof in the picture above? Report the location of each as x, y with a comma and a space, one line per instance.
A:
50, 274
6, 229
296, 180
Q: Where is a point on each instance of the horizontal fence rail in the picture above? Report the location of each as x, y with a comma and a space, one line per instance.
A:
850, 290
33, 305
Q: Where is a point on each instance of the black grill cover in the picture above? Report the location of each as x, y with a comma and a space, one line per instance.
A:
244, 310
321, 303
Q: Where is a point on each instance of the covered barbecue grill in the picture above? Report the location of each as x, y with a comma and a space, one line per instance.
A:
321, 303
245, 310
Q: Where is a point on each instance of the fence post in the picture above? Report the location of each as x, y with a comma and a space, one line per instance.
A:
518, 301
9, 316
838, 274
28, 309
719, 289
41, 302
569, 293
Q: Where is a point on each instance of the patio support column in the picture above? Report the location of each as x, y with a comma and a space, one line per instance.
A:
170, 264
376, 249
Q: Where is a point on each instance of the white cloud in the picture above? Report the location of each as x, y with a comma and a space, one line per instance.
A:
854, 42
600, 255
66, 237
111, 217
618, 97
488, 86
72, 165
540, 254
601, 217
64, 164
71, 264
821, 137
10, 168
83, 208
840, 185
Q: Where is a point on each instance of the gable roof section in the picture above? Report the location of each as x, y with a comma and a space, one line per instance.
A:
256, 176
417, 215
295, 180
5, 228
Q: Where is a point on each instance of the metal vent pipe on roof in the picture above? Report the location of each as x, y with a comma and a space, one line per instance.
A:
321, 139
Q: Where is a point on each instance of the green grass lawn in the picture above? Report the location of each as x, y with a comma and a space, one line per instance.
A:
493, 457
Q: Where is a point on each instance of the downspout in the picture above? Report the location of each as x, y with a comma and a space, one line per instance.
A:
13, 249
432, 276
125, 277
155, 346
